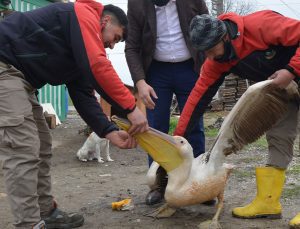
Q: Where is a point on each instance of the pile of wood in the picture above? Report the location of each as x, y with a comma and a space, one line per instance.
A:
50, 119
216, 105
229, 93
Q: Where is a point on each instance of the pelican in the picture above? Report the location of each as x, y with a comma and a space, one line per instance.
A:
196, 180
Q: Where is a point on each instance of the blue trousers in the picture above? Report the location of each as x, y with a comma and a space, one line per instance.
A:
168, 79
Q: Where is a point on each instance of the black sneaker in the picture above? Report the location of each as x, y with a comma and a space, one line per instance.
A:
62, 220
154, 197
40, 225
157, 195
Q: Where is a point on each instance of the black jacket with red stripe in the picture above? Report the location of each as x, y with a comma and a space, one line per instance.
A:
264, 42
61, 44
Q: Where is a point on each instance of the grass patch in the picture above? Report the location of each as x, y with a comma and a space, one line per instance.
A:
210, 118
243, 174
173, 124
211, 132
261, 143
295, 170
70, 102
291, 192
249, 159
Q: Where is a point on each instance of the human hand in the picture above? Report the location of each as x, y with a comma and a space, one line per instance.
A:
145, 92
282, 78
121, 139
139, 123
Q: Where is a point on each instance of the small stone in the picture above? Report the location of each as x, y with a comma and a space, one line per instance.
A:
2, 195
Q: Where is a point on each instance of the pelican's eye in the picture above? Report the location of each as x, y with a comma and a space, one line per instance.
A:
181, 141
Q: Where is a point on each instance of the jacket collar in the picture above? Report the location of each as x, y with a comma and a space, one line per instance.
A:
151, 16
238, 20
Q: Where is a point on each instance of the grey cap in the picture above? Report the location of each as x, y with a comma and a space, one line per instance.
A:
206, 31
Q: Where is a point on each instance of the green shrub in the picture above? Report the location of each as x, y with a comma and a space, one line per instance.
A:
173, 124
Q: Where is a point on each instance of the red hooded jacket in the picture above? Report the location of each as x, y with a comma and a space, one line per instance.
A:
257, 34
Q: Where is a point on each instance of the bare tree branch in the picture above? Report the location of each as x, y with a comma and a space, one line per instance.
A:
241, 7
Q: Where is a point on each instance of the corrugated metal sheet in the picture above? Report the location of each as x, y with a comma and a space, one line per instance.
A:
23, 6
56, 95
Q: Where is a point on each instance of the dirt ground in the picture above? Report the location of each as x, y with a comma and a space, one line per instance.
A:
91, 187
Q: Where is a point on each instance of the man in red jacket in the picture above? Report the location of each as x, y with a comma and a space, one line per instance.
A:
57, 44
258, 46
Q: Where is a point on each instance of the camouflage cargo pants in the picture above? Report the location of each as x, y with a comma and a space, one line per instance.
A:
281, 138
25, 148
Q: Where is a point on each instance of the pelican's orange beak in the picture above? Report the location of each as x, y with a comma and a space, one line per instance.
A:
160, 146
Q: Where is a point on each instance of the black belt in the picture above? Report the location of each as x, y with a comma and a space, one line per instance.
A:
180, 62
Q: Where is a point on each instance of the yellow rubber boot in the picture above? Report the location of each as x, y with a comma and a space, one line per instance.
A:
295, 223
269, 182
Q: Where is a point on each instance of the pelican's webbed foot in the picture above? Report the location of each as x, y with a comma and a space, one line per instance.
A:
162, 212
214, 223
210, 224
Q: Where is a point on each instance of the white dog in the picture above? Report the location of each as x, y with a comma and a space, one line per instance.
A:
92, 148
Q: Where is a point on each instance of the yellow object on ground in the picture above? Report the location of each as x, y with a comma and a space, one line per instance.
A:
269, 181
160, 146
295, 222
121, 205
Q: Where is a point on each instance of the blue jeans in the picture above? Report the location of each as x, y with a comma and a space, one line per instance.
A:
168, 79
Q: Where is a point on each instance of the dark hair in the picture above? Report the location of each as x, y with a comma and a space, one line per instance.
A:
119, 16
